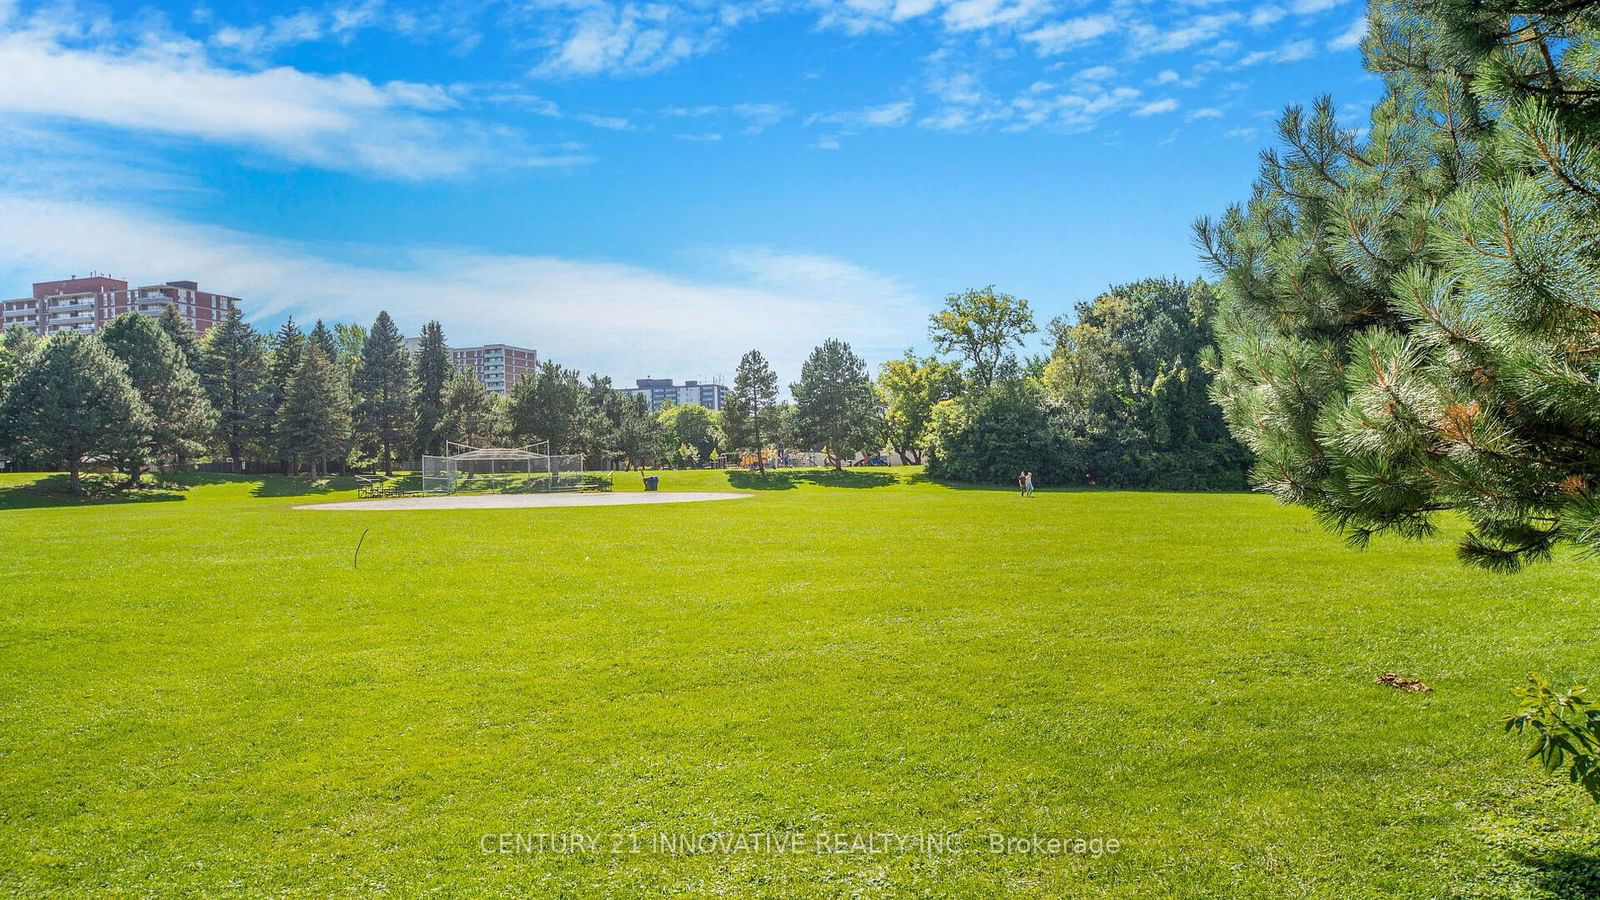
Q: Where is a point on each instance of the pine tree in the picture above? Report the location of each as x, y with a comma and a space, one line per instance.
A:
314, 422
382, 388
547, 406
835, 407
183, 336
234, 372
322, 338
748, 405
288, 351
471, 415
181, 416
638, 432
70, 401
433, 372
1408, 318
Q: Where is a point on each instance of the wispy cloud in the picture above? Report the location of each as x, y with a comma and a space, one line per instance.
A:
1156, 107
1294, 51
1059, 37
783, 303
343, 121
1351, 37
888, 115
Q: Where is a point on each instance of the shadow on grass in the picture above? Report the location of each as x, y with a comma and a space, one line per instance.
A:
1565, 873
299, 485
97, 490
788, 479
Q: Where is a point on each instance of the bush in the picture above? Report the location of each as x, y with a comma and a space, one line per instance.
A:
990, 437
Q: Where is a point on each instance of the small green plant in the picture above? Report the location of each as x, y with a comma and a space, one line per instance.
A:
1566, 731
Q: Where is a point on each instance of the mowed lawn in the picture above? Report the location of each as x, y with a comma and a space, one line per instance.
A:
206, 695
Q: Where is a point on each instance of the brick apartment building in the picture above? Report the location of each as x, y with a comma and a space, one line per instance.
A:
88, 304
498, 366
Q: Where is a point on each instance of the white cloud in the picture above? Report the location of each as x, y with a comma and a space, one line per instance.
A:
623, 39
1207, 112
340, 121
1294, 51
1063, 36
611, 123
704, 137
889, 115
1265, 15
1165, 76
1096, 73
971, 15
1350, 37
757, 117
1242, 134
1312, 7
1200, 29
1156, 107
783, 303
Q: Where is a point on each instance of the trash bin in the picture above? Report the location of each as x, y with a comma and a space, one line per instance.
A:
650, 482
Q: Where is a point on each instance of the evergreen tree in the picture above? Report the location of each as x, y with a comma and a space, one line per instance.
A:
314, 423
1408, 317
471, 415
547, 406
181, 416
599, 420
638, 432
182, 335
322, 338
70, 401
744, 415
382, 388
234, 372
981, 327
288, 351
909, 388
835, 407
433, 371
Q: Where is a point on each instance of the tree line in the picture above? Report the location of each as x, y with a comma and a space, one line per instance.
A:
1120, 401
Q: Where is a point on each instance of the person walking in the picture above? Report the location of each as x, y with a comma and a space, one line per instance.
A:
1027, 484
1022, 484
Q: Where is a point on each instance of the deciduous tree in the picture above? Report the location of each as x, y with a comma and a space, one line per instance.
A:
982, 328
909, 388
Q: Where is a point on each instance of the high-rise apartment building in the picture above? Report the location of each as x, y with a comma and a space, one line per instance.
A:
662, 393
88, 304
498, 366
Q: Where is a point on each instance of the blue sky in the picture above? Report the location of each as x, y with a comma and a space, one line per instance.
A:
644, 188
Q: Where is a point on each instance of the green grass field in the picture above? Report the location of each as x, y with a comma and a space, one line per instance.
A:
203, 695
